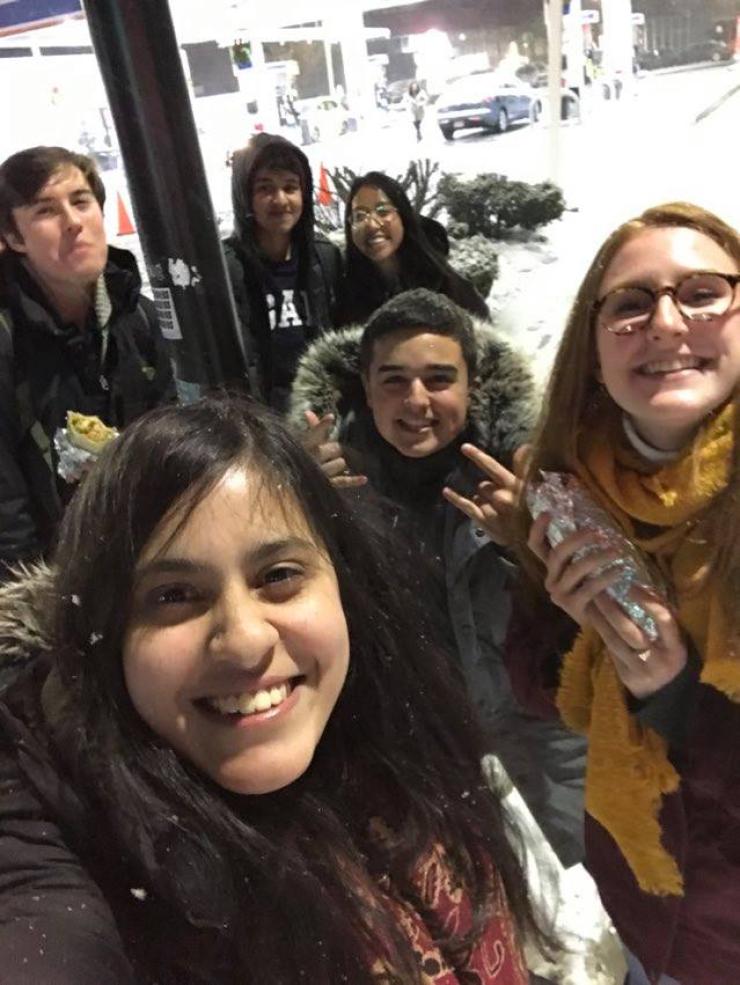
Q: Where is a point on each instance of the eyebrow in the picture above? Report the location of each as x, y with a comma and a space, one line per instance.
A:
649, 285
395, 368
259, 555
277, 181
51, 198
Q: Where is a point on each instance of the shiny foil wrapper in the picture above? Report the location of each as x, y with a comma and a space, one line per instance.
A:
72, 462
572, 509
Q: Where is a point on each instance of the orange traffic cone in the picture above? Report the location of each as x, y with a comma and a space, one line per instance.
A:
324, 196
125, 226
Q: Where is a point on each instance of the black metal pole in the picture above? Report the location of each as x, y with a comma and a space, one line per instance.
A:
140, 63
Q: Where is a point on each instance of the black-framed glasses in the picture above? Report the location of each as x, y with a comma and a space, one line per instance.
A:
701, 296
382, 212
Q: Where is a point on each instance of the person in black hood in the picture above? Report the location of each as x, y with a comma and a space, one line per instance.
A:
284, 277
75, 335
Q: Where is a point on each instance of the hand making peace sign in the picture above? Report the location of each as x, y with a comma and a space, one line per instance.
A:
493, 505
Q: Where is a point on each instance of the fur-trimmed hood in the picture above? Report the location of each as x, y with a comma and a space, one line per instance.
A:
503, 397
24, 627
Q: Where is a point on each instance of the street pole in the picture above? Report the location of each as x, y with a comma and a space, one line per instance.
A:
267, 107
553, 10
573, 47
347, 24
139, 60
617, 40
331, 81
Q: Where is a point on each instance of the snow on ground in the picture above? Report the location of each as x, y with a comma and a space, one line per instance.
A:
539, 274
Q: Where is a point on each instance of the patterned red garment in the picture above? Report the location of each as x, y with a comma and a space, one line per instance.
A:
436, 904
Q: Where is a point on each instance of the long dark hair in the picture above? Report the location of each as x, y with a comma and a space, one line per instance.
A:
421, 265
279, 887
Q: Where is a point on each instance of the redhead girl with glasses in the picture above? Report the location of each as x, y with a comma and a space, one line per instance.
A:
642, 406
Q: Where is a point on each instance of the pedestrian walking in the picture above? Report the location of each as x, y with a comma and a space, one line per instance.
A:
416, 102
237, 757
389, 251
642, 407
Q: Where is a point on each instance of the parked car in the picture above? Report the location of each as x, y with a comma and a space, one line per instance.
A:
704, 51
692, 54
649, 59
324, 117
533, 73
486, 100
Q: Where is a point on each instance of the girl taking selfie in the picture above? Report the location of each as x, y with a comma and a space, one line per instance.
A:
236, 756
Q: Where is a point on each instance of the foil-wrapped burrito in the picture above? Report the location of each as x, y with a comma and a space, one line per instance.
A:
79, 444
572, 509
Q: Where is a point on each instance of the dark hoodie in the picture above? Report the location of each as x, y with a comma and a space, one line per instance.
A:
281, 306
47, 369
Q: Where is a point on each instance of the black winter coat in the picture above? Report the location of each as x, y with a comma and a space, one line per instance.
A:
544, 759
319, 278
47, 369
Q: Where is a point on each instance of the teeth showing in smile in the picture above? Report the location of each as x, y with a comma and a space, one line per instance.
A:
250, 704
671, 365
416, 428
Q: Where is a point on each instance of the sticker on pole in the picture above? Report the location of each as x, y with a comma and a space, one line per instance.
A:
168, 323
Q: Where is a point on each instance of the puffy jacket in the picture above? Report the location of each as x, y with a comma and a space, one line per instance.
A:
544, 760
47, 369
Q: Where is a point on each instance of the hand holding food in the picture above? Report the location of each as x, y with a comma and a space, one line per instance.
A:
570, 510
79, 444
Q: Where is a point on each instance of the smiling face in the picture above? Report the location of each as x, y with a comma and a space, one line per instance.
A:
377, 239
669, 375
237, 646
277, 201
417, 389
61, 232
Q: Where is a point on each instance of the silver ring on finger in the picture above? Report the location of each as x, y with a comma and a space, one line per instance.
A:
642, 654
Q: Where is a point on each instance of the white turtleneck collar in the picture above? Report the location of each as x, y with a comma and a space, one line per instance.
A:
650, 454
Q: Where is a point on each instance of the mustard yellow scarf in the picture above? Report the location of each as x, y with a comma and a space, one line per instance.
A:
628, 770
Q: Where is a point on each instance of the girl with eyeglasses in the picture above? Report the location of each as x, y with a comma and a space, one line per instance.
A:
237, 755
642, 407
390, 249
